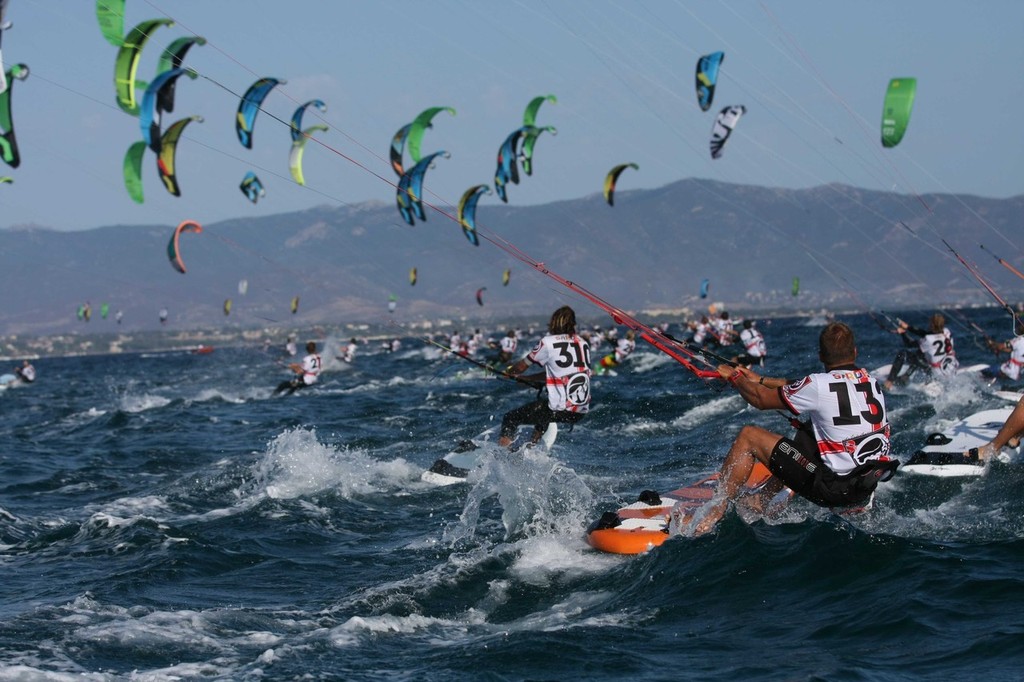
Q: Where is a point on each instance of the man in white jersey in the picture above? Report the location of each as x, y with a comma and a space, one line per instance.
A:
722, 330
1011, 369
700, 330
348, 353
565, 357
624, 347
506, 348
934, 347
306, 374
836, 459
26, 372
754, 348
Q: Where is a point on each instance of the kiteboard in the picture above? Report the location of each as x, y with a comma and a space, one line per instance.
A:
1012, 396
882, 372
469, 454
945, 453
645, 524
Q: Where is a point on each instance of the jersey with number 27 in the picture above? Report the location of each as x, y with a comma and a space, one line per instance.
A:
847, 411
566, 360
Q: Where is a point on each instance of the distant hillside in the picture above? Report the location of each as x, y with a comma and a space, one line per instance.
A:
648, 252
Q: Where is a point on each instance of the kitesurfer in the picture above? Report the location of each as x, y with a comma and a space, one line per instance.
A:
565, 357
1011, 369
306, 374
26, 372
934, 350
754, 346
700, 330
506, 348
834, 460
349, 352
722, 329
1009, 434
623, 348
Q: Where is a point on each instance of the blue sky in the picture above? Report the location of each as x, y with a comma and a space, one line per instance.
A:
811, 74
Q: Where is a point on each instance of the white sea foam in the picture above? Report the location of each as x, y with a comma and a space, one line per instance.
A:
297, 464
141, 403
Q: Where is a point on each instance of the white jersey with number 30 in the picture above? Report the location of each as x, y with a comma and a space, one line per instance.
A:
566, 359
847, 411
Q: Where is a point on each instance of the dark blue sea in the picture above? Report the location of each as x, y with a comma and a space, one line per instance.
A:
163, 517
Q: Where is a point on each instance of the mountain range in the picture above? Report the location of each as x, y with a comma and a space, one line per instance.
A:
850, 248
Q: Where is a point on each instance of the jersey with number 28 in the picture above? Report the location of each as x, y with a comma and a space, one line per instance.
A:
566, 359
847, 411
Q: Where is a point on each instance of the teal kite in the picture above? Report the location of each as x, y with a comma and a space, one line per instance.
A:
250, 105
467, 211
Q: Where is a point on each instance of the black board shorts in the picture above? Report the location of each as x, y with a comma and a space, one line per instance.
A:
797, 464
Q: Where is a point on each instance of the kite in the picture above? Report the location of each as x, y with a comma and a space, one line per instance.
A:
252, 188
168, 150
392, 303
724, 123
173, 253
133, 170
249, 106
4, 25
172, 58
243, 286
127, 64
295, 305
104, 310
505, 277
612, 178
298, 148
149, 113
419, 126
705, 284
529, 140
110, 15
507, 170
410, 188
397, 147
403, 199
6, 179
530, 114
8, 144
467, 211
796, 286
707, 76
297, 118
417, 173
480, 295
899, 100
227, 307
413, 276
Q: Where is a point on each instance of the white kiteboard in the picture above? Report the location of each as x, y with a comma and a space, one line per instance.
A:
1012, 396
882, 373
944, 452
469, 454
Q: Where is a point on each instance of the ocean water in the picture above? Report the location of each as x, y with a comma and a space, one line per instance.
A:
162, 516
